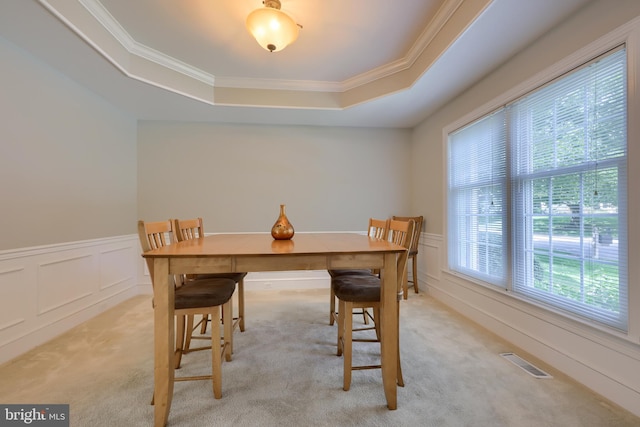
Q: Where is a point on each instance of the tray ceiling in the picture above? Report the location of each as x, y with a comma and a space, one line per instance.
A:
355, 63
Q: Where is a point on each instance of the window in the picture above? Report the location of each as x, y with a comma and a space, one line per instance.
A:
537, 194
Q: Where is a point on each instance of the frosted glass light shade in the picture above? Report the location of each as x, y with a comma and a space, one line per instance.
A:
273, 29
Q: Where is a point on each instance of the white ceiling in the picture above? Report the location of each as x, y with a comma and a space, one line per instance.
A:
376, 63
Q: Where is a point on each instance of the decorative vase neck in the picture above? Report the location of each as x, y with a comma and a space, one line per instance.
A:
282, 229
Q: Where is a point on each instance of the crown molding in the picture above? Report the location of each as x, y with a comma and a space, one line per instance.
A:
92, 22
277, 84
432, 29
106, 20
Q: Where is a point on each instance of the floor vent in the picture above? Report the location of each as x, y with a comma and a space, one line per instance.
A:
528, 367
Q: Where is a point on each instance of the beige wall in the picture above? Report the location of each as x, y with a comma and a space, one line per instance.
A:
606, 360
235, 177
67, 158
428, 146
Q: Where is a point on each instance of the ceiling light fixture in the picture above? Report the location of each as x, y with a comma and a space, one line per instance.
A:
272, 28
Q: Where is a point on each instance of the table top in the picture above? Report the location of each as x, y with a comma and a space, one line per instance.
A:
263, 244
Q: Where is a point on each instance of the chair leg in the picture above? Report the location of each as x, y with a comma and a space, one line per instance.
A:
332, 306
376, 321
203, 324
180, 332
341, 317
347, 342
405, 285
216, 357
415, 273
227, 322
376, 317
241, 304
188, 332
400, 380
332, 310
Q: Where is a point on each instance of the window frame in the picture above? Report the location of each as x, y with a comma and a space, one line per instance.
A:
628, 35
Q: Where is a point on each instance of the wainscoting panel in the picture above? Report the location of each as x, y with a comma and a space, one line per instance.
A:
112, 277
13, 309
46, 290
430, 258
65, 280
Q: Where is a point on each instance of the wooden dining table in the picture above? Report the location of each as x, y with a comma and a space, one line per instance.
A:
238, 252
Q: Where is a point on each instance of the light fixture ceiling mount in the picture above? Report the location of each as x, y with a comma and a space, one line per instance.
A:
272, 28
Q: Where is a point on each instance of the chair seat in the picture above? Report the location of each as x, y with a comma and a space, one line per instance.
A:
236, 277
377, 229
364, 291
357, 288
360, 272
204, 293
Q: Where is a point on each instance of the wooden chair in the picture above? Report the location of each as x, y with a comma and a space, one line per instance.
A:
377, 229
205, 297
413, 252
187, 229
362, 291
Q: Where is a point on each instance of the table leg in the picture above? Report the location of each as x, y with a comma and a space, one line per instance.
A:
389, 330
164, 333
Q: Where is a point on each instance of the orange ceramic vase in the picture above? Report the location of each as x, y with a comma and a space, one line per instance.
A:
282, 229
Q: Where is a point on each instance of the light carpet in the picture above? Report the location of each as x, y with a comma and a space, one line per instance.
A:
285, 373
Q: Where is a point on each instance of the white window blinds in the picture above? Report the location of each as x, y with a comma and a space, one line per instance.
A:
569, 192
477, 184
537, 194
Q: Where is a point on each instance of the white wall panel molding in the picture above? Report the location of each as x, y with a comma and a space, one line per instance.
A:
595, 357
13, 312
111, 276
429, 254
64, 281
46, 290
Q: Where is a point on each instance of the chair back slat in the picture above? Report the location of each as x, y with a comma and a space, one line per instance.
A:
401, 233
187, 229
154, 235
417, 230
378, 228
